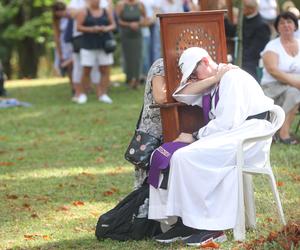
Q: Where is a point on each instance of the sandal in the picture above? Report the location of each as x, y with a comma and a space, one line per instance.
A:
288, 141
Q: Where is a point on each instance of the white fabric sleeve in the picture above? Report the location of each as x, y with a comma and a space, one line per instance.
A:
272, 45
190, 99
232, 108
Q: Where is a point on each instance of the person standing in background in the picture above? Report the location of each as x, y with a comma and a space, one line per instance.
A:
80, 96
269, 10
131, 15
95, 23
146, 33
63, 50
256, 34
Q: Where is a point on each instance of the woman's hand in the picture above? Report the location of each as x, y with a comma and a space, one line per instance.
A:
223, 68
134, 26
185, 137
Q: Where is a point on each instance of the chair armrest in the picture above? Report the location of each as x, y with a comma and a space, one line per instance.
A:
243, 142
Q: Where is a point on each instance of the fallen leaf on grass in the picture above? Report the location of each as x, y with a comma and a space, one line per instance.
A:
3, 138
34, 216
11, 196
29, 236
279, 183
107, 193
63, 208
20, 158
6, 164
2, 152
35, 236
269, 219
45, 199
210, 244
20, 149
272, 236
100, 160
98, 148
110, 192
46, 237
27, 206
287, 238
78, 203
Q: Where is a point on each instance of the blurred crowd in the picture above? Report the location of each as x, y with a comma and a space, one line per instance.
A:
83, 27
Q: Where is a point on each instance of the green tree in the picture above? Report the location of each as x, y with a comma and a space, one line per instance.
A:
25, 28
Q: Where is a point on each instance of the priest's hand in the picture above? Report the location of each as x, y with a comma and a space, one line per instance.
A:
185, 137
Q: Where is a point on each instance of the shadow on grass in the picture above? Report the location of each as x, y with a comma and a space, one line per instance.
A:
89, 243
58, 94
32, 200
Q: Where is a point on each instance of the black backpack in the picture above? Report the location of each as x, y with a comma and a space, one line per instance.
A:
129, 219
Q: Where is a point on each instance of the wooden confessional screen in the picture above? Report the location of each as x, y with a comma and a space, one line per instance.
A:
180, 31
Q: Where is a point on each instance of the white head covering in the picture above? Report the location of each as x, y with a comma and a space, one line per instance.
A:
189, 59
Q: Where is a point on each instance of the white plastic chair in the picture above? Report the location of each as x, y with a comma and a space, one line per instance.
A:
246, 205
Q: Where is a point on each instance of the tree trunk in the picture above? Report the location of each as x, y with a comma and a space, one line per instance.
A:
239, 45
28, 55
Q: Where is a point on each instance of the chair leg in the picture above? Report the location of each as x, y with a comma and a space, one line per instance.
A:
249, 201
239, 231
276, 197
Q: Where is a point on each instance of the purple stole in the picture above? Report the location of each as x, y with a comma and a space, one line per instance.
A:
206, 104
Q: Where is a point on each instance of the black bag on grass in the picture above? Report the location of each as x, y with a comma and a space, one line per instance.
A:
129, 219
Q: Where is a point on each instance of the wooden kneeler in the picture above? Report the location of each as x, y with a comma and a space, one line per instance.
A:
180, 31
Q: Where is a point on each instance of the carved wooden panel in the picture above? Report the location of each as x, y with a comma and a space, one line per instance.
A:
180, 31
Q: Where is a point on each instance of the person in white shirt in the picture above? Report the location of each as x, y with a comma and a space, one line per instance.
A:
281, 72
203, 176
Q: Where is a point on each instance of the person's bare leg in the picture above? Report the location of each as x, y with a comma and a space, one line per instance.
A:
78, 89
85, 77
284, 132
69, 73
103, 85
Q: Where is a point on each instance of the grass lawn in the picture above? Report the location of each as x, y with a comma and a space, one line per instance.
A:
59, 159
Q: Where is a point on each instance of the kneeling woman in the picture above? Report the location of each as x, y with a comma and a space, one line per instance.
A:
96, 23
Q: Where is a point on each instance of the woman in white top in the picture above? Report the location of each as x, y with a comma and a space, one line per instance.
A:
281, 74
